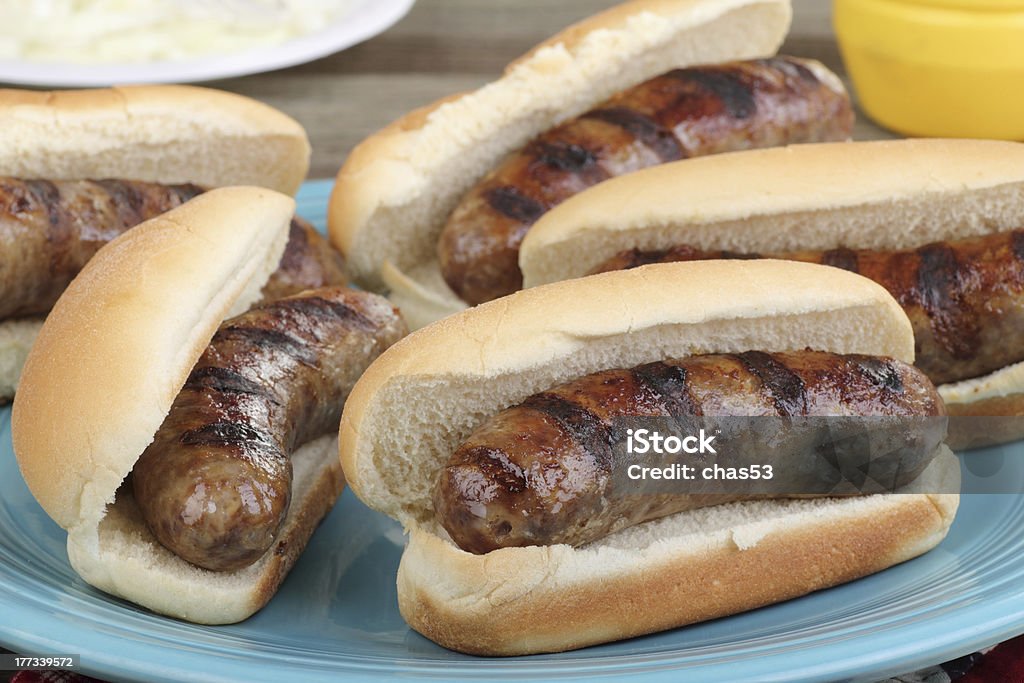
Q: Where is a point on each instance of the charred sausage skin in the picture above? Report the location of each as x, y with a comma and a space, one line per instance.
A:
215, 484
50, 229
683, 113
540, 472
964, 298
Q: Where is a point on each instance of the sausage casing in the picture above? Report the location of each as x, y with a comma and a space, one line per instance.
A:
684, 113
540, 472
215, 484
964, 298
50, 230
308, 262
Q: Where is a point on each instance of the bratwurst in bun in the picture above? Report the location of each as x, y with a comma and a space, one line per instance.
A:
188, 457
487, 435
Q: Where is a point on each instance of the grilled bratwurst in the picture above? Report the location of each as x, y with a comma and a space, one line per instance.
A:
964, 298
684, 113
50, 230
215, 485
541, 472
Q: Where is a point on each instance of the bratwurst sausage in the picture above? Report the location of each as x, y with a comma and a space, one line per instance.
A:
964, 298
50, 230
541, 472
215, 484
684, 113
308, 262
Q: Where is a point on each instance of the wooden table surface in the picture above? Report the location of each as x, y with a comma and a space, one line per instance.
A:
447, 46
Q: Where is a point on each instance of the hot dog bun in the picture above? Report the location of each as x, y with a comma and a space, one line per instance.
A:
163, 133
867, 195
428, 392
105, 369
159, 133
398, 186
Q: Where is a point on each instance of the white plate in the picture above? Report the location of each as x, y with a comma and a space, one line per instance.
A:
366, 19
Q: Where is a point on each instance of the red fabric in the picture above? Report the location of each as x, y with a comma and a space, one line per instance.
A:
1003, 664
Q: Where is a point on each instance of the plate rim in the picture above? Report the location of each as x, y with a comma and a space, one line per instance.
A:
374, 17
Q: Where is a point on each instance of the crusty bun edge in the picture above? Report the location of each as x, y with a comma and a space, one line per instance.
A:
158, 133
429, 391
117, 347
398, 185
998, 396
128, 561
683, 569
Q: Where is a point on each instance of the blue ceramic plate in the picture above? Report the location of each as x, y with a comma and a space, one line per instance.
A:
335, 617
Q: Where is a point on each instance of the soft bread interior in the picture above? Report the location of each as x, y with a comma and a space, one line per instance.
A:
16, 337
423, 396
167, 134
865, 195
127, 561
119, 344
666, 573
397, 187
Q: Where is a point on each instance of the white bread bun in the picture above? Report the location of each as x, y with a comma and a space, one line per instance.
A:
891, 194
157, 133
103, 373
398, 186
427, 393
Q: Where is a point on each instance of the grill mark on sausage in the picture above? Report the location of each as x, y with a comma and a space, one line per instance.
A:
581, 425
645, 129
230, 434
1017, 244
45, 193
58, 230
494, 463
738, 255
127, 197
938, 289
565, 156
260, 337
509, 201
782, 385
735, 94
880, 372
226, 381
841, 258
795, 67
668, 383
318, 307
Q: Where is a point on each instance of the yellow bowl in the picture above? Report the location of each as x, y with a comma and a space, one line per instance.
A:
945, 68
